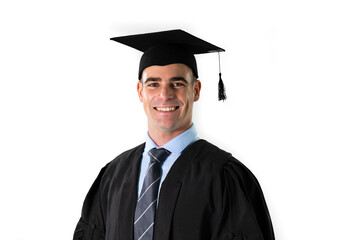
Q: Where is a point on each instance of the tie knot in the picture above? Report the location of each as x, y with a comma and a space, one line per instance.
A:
159, 155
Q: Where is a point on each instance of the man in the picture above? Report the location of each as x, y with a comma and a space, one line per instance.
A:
175, 186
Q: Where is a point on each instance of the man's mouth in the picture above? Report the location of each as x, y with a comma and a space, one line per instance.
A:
166, 109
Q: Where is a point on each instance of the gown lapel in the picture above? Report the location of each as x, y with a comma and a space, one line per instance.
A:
169, 193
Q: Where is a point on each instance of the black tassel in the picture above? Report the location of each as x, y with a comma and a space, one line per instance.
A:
221, 89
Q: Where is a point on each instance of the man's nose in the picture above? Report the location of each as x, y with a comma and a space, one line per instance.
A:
166, 92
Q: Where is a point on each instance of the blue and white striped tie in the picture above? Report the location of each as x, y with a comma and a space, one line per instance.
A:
147, 202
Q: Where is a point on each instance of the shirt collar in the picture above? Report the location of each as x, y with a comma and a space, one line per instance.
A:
175, 145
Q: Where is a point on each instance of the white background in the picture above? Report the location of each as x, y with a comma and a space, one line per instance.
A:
68, 105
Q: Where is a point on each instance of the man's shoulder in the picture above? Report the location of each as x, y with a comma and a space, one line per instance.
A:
130, 152
124, 159
205, 148
218, 160
208, 153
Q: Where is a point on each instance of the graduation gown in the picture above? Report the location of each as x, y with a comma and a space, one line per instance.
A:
207, 194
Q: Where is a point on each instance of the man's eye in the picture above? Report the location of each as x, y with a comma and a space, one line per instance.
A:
178, 84
152, 84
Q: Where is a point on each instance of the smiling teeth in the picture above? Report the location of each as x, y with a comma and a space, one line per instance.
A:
168, 109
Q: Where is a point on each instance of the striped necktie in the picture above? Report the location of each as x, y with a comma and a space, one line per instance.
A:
147, 202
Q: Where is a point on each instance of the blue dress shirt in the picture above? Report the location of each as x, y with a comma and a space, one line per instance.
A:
175, 146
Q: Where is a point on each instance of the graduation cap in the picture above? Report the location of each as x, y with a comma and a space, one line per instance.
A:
168, 47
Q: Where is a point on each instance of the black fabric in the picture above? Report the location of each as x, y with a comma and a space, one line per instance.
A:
207, 194
168, 47
145, 41
169, 54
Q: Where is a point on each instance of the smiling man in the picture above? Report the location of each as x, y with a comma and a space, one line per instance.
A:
168, 93
174, 186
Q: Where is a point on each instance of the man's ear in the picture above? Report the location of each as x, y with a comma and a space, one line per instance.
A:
139, 90
197, 88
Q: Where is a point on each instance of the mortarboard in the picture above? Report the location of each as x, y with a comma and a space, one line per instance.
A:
168, 47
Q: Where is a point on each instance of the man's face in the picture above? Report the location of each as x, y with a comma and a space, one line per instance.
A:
168, 93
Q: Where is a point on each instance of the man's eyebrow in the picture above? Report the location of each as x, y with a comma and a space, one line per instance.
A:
178, 79
173, 79
152, 79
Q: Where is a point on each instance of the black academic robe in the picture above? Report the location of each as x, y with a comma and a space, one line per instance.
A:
207, 194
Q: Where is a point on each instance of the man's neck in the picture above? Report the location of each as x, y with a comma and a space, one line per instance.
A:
163, 137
